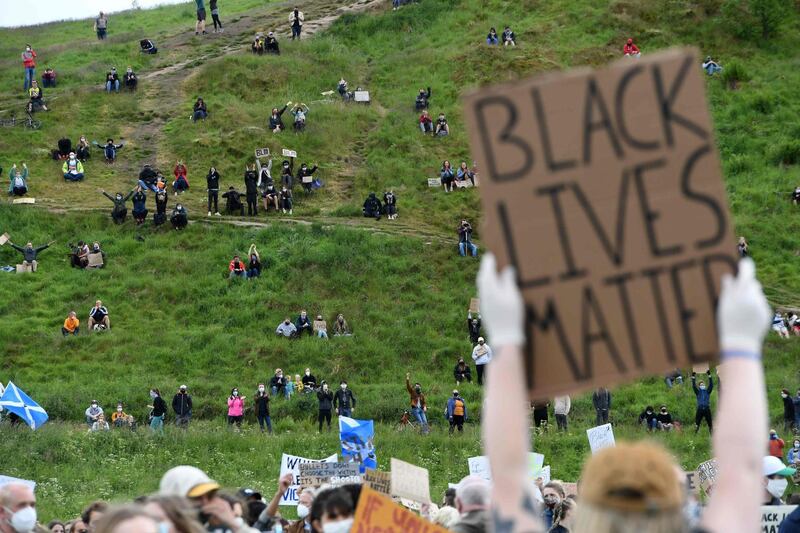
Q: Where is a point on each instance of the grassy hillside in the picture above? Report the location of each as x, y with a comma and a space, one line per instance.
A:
176, 319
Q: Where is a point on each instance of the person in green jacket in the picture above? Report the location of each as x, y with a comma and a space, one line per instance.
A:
72, 168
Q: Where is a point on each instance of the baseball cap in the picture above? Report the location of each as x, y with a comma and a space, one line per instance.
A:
772, 466
183, 386
250, 493
481, 339
186, 481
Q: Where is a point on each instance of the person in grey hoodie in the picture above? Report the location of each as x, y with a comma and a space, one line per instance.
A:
481, 354
561, 407
601, 399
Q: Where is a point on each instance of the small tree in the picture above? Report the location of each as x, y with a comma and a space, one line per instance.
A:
769, 14
753, 19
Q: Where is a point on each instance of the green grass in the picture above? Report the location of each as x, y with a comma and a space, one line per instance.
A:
176, 319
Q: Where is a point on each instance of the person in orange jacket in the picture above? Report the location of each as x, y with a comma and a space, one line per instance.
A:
71, 325
419, 407
776, 444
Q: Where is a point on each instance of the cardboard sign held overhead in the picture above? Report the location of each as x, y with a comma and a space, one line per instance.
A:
378, 513
701, 368
318, 474
262, 152
600, 437
474, 305
288, 153
410, 481
378, 481
604, 189
4, 238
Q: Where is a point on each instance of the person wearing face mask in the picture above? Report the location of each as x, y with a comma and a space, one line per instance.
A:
305, 176
159, 410
277, 383
286, 201
235, 408
130, 80
337, 511
139, 205
17, 508
788, 410
563, 517
212, 184
664, 419
29, 253
775, 482
93, 412
179, 218
456, 412
482, 355
325, 397
648, 417
276, 119
182, 405
553, 494
309, 382
262, 408
119, 213
344, 401
303, 324
72, 168
776, 444
119, 417
419, 406
703, 396
29, 62
286, 329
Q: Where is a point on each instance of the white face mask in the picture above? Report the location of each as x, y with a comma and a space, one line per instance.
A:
302, 511
236, 393
308, 373
24, 520
343, 386
777, 487
342, 526
261, 389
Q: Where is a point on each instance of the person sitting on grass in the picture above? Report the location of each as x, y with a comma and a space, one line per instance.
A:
18, 181
286, 200
306, 173
237, 268
110, 150
49, 77
271, 44
233, 202
303, 324
299, 112
649, 417
100, 424
36, 97
64, 147
119, 212
425, 122
372, 207
146, 46
320, 328
270, 197
423, 99
465, 174
462, 372
631, 50
664, 419
340, 327
118, 417
72, 168
112, 80
181, 182
148, 178
492, 37
257, 47
30, 254
254, 263
79, 258
93, 412
276, 118
447, 175
139, 205
711, 67
71, 325
278, 382
199, 111
442, 128
465, 239
179, 218
130, 80
83, 150
778, 325
390, 203
98, 317
509, 39
286, 329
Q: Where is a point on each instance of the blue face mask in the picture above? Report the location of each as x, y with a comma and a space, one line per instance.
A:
164, 527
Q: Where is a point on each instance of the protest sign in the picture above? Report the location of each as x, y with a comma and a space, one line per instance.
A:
288, 153
570, 488
377, 513
693, 482
434, 182
701, 368
378, 481
773, 515
410, 481
94, 260
291, 463
361, 96
4, 238
474, 305
24, 200
707, 474
262, 152
600, 437
603, 188
544, 474
318, 474
5, 480
479, 466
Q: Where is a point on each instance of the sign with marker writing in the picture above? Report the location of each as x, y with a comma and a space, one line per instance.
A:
377, 513
318, 474
410, 481
434, 182
707, 474
288, 153
603, 188
378, 481
291, 463
773, 515
262, 152
693, 482
600, 437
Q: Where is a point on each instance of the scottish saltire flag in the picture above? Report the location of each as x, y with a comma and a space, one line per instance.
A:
357, 442
15, 401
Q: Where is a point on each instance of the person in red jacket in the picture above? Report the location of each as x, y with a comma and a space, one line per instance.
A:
630, 49
181, 182
29, 62
237, 268
776, 445
425, 122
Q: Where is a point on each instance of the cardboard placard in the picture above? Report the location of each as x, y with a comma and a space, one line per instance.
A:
361, 96
570, 488
474, 305
318, 474
600, 437
308, 179
410, 481
288, 153
434, 182
463, 184
773, 515
693, 482
707, 474
378, 481
4, 238
604, 189
377, 513
701, 368
24, 200
291, 463
262, 152
23, 268
95, 260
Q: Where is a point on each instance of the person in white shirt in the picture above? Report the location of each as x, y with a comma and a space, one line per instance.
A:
561, 406
286, 328
481, 354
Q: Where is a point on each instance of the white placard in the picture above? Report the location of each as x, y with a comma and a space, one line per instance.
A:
361, 96
288, 153
773, 515
291, 463
600, 437
262, 152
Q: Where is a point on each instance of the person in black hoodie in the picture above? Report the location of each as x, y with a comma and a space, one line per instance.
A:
474, 327
251, 186
182, 405
139, 205
309, 382
649, 418
788, 409
325, 397
276, 119
303, 324
159, 410
423, 99
179, 217
287, 174
212, 185
233, 201
372, 207
160, 215
262, 408
462, 372
286, 200
304, 176
344, 401
119, 212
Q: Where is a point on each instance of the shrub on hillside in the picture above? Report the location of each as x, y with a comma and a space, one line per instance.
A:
753, 19
737, 164
733, 74
785, 152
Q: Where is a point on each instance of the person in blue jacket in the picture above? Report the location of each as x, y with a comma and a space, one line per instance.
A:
456, 412
703, 396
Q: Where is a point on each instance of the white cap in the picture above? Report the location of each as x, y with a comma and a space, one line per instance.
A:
481, 339
771, 466
187, 482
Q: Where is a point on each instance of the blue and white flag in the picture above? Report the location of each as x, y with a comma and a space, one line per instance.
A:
357, 442
15, 401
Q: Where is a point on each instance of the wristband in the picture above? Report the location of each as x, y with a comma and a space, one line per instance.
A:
744, 354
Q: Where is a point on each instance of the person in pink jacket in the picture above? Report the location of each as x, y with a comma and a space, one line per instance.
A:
29, 62
235, 408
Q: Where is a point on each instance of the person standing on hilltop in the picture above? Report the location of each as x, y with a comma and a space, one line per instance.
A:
101, 25
296, 19
215, 16
200, 25
182, 405
29, 62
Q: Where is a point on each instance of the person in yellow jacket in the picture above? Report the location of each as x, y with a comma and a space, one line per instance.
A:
72, 168
71, 325
119, 418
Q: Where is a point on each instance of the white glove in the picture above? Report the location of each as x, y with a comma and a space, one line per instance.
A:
743, 314
502, 308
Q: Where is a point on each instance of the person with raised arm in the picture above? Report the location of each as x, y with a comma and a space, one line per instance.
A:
616, 493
